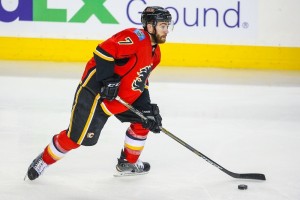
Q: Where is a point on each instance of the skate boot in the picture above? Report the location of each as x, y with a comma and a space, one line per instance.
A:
125, 168
36, 168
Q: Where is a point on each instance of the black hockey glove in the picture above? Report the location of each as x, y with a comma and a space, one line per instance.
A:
153, 122
110, 87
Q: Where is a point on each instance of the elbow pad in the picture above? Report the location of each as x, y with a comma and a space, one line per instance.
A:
105, 64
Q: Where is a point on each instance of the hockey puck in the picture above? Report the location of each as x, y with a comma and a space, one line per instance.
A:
242, 187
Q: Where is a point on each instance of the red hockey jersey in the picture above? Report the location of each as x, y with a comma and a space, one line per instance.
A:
134, 46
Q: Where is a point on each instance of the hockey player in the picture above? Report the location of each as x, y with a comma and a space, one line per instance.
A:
120, 66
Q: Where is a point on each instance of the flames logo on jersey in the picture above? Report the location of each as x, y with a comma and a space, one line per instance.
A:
140, 80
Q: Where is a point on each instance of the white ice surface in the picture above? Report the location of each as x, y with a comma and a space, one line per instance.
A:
246, 121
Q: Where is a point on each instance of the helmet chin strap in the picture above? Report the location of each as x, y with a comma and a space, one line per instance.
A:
154, 38
153, 35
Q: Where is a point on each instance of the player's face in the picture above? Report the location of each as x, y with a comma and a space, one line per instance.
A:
162, 30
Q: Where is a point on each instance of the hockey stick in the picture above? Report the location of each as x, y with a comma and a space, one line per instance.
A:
255, 176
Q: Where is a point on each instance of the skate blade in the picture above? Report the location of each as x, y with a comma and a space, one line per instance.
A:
124, 174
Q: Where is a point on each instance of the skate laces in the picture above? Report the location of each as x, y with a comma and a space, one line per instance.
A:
39, 166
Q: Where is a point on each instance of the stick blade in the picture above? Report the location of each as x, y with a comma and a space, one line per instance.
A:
254, 176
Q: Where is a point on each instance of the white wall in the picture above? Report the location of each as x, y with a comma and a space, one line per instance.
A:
279, 23
265, 22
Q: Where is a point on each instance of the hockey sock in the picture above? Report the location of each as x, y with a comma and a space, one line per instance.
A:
58, 147
135, 140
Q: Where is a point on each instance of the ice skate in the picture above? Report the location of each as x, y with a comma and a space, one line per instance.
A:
36, 168
125, 168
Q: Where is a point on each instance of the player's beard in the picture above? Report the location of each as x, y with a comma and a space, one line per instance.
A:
160, 39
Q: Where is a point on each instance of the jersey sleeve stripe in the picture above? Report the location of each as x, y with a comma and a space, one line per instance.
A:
103, 56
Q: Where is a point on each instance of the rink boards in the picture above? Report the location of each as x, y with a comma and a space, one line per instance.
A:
173, 54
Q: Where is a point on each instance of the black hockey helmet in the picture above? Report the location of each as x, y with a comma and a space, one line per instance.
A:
154, 14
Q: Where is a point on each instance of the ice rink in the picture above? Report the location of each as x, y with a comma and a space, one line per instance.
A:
245, 120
